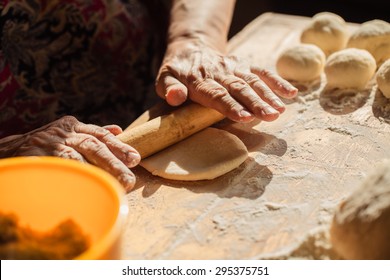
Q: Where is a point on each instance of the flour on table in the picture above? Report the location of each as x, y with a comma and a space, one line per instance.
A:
315, 245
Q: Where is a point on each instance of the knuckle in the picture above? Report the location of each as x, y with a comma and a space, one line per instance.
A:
218, 93
69, 119
193, 76
266, 73
103, 134
91, 143
69, 154
251, 78
233, 58
237, 85
212, 90
68, 122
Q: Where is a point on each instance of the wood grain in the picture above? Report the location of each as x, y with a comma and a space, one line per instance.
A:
300, 167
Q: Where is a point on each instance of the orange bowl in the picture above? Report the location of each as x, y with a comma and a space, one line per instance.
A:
44, 191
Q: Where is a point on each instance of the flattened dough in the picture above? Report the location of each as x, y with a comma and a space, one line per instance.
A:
203, 156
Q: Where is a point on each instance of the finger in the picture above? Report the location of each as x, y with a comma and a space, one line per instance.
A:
67, 152
127, 154
262, 90
276, 83
97, 153
209, 93
243, 93
171, 89
114, 129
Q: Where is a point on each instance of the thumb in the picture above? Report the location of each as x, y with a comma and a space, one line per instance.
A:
172, 90
114, 129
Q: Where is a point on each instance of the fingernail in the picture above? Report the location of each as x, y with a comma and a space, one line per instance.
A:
133, 159
127, 181
279, 103
175, 96
245, 114
291, 90
270, 111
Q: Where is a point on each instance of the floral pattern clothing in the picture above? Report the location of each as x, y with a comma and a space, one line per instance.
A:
93, 59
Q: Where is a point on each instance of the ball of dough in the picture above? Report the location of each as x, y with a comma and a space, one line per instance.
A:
373, 36
383, 78
328, 31
361, 225
349, 68
301, 63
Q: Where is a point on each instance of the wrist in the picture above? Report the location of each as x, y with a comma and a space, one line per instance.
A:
205, 21
195, 41
9, 145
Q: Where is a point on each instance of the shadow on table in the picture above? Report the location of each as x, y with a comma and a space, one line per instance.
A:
381, 107
248, 181
342, 102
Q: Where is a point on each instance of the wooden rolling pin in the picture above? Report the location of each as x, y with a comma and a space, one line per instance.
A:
164, 131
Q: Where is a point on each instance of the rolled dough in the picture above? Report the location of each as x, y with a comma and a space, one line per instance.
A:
203, 156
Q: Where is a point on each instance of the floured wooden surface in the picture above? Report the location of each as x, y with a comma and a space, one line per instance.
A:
300, 167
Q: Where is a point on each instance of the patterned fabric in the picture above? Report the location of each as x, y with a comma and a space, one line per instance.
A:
93, 59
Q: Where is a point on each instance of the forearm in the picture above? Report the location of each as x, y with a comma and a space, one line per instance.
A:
207, 21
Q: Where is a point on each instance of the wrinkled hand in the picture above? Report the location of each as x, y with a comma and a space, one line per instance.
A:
225, 83
71, 139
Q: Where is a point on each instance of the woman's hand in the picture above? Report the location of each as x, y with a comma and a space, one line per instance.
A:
71, 139
232, 86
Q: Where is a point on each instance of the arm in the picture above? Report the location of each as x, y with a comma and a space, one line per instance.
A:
196, 66
199, 20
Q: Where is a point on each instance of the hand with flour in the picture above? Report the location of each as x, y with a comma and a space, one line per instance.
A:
196, 66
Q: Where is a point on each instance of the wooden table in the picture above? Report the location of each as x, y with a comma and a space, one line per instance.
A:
300, 167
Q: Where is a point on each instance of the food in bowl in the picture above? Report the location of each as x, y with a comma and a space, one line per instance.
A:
17, 242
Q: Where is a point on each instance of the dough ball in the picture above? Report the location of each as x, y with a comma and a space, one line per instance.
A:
326, 30
373, 36
383, 78
301, 63
361, 225
203, 156
349, 68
